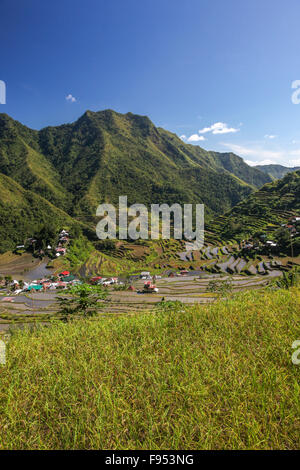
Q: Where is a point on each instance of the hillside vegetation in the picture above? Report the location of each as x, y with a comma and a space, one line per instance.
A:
24, 213
199, 377
264, 210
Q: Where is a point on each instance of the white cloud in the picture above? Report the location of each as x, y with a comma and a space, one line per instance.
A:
270, 136
262, 156
218, 128
259, 162
270, 155
195, 138
183, 137
70, 98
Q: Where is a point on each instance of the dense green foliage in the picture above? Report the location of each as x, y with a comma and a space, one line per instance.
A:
81, 300
25, 214
78, 251
264, 210
289, 279
218, 376
102, 156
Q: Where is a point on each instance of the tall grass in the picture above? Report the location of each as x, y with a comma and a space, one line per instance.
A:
201, 377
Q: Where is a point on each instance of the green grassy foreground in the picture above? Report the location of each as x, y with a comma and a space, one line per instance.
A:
213, 377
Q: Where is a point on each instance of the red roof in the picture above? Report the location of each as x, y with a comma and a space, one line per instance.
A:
65, 273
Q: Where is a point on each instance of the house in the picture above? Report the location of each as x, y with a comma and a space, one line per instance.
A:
61, 285
34, 287
271, 243
31, 241
149, 288
64, 273
60, 251
184, 272
96, 279
46, 285
248, 246
68, 278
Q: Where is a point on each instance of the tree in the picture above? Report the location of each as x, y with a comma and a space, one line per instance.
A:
233, 229
75, 232
259, 236
221, 288
288, 280
282, 236
8, 280
105, 245
48, 235
82, 300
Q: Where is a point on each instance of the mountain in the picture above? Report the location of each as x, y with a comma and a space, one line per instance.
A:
21, 160
263, 210
238, 167
276, 171
105, 154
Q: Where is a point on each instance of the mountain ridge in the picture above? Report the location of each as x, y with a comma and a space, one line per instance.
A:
276, 171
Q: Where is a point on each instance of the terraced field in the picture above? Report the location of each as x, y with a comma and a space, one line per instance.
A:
42, 307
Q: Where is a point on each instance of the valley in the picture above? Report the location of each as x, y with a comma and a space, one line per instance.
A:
52, 180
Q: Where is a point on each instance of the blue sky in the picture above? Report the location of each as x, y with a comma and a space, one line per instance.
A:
224, 68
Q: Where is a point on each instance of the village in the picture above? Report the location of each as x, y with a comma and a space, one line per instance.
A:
252, 263
59, 250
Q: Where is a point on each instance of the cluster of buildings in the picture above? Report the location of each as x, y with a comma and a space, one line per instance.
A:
293, 226
249, 245
63, 241
62, 281
60, 249
104, 281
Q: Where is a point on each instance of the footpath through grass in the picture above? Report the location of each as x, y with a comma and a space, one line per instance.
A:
203, 377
